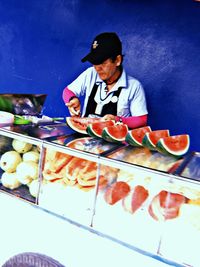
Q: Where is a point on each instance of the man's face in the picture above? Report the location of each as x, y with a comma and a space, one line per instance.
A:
108, 68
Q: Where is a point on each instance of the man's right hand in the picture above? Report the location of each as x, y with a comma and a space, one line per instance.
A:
74, 107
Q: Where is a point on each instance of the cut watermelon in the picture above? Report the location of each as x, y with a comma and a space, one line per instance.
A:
150, 139
116, 192
135, 199
166, 205
135, 136
177, 145
115, 133
95, 129
79, 124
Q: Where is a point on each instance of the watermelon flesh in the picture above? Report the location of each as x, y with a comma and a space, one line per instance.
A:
166, 205
116, 192
150, 139
95, 129
115, 133
79, 124
135, 199
177, 145
135, 136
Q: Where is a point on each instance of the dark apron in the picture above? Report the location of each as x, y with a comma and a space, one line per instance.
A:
109, 108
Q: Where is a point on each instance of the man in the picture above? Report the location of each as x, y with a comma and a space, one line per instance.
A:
107, 89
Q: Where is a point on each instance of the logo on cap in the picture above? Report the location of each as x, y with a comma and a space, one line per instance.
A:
94, 45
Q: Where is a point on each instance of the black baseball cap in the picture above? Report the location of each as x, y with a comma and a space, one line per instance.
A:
104, 46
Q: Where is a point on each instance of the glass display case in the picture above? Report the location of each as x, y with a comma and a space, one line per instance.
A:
142, 156
151, 209
69, 184
141, 198
20, 165
70, 175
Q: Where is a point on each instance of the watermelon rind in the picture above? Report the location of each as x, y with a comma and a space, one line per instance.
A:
91, 130
146, 141
131, 140
72, 126
106, 135
164, 149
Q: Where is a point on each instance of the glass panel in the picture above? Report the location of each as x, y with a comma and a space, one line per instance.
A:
146, 158
19, 168
181, 230
68, 185
87, 144
123, 206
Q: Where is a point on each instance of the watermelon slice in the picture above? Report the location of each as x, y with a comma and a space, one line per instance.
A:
116, 192
150, 139
135, 199
116, 133
95, 129
166, 205
177, 145
79, 124
135, 136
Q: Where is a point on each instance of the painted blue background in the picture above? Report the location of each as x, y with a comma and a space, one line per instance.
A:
42, 42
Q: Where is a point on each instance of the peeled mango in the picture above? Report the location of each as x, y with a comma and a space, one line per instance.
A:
10, 160
27, 171
21, 146
9, 180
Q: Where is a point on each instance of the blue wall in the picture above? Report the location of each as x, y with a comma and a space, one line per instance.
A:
42, 42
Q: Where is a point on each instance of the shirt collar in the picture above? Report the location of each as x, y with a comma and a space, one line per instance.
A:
122, 82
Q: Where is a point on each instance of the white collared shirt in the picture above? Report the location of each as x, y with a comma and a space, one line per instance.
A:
131, 101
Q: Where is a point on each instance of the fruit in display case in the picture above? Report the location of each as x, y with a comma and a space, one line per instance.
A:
79, 124
116, 133
10, 160
9, 180
165, 205
151, 138
31, 156
134, 137
21, 146
19, 170
83, 172
95, 129
135, 198
72, 171
34, 187
116, 192
27, 171
78, 167
177, 145
54, 164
